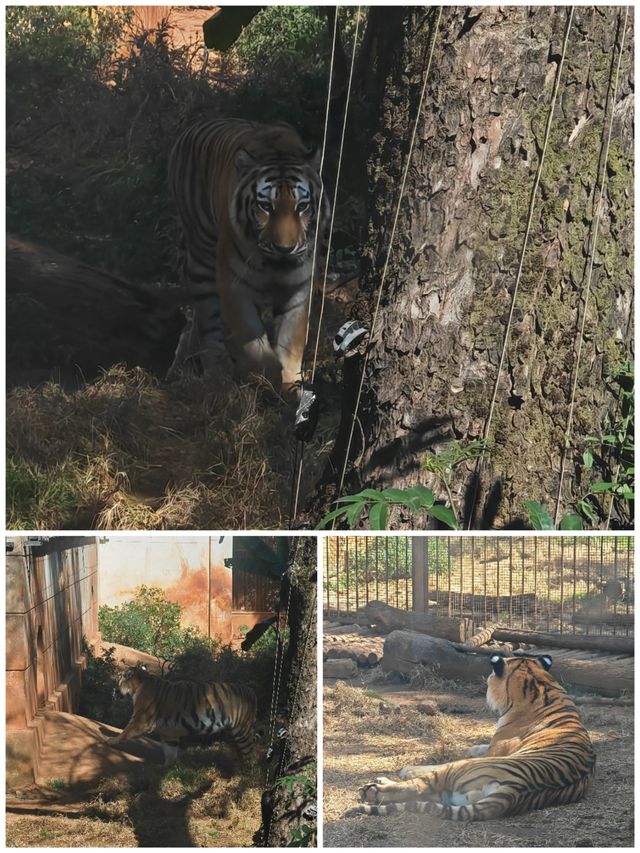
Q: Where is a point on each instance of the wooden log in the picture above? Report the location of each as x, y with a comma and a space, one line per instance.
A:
361, 654
67, 320
389, 618
617, 645
404, 650
611, 701
334, 668
617, 620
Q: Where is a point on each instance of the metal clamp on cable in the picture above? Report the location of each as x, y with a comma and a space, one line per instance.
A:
348, 338
306, 414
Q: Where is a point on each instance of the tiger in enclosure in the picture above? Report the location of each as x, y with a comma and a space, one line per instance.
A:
174, 709
541, 755
249, 202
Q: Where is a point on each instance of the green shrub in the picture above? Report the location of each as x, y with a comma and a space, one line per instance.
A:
148, 622
282, 31
64, 38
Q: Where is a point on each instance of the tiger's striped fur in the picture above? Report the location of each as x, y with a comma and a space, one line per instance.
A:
248, 199
175, 709
540, 755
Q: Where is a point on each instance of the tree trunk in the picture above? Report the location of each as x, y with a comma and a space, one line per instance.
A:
436, 347
289, 804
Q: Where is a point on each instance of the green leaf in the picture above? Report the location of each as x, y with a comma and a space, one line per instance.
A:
445, 514
396, 496
370, 495
601, 487
587, 509
420, 497
538, 516
587, 458
354, 512
378, 516
572, 521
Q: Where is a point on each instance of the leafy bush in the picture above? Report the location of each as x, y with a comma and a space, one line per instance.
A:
66, 39
279, 31
150, 623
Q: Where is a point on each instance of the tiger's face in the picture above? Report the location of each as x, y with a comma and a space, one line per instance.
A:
131, 680
517, 681
275, 207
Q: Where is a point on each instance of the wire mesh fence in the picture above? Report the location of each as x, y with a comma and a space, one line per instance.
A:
565, 584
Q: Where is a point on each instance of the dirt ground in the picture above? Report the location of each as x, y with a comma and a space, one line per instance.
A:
362, 741
93, 795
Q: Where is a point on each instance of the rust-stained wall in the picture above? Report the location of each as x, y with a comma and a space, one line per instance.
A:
51, 603
190, 570
185, 22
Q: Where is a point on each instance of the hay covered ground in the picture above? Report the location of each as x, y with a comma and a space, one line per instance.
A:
205, 800
361, 741
127, 451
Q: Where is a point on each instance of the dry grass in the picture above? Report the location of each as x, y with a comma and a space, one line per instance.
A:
127, 452
190, 805
357, 748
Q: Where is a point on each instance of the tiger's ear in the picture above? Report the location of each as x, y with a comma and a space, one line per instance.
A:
315, 159
546, 661
497, 664
243, 160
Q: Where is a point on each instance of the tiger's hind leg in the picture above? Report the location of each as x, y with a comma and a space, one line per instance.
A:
482, 801
489, 809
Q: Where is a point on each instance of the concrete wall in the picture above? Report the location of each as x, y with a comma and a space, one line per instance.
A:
51, 603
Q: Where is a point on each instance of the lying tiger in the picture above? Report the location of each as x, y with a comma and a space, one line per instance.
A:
540, 756
174, 709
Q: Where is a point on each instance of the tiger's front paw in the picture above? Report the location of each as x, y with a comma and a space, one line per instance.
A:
373, 792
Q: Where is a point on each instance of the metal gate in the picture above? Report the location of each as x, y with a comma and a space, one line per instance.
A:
565, 584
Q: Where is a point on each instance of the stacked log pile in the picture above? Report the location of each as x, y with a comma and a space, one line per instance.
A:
349, 647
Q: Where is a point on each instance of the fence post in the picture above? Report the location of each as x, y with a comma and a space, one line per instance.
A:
418, 579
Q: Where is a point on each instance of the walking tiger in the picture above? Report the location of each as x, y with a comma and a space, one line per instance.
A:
248, 200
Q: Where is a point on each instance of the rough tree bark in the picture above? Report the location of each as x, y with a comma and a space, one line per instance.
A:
435, 351
288, 804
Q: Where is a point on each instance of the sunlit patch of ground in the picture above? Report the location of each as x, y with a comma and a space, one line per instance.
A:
361, 741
